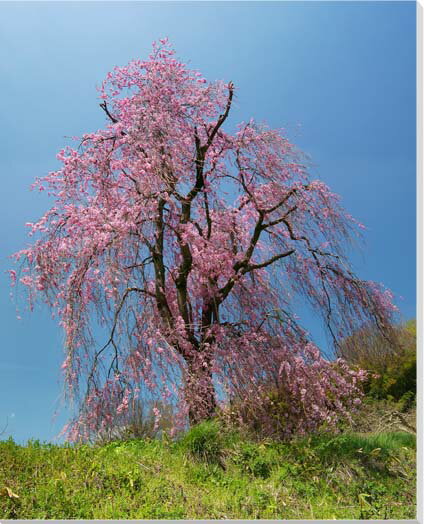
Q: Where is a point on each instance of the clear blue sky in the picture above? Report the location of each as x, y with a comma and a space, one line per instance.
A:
339, 76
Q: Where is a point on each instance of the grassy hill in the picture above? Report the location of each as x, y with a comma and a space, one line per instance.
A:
210, 474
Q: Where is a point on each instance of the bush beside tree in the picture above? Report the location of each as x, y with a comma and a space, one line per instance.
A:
392, 366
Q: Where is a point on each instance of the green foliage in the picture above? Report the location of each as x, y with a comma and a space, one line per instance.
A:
393, 365
212, 474
205, 441
255, 459
397, 380
348, 446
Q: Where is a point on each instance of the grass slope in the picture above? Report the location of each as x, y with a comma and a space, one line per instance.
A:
211, 474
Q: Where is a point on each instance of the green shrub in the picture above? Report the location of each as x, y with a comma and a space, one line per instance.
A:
204, 441
254, 459
392, 364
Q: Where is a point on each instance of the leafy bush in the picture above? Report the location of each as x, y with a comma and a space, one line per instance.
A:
204, 441
254, 459
392, 364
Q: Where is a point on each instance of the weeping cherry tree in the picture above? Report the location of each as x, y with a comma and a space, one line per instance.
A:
192, 246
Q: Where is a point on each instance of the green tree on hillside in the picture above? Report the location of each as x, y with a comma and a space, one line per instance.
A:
393, 366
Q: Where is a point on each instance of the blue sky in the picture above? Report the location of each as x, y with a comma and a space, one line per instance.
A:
340, 77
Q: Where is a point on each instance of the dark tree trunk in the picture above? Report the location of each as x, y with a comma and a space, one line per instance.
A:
199, 391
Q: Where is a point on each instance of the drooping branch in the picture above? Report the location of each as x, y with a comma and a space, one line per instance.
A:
111, 339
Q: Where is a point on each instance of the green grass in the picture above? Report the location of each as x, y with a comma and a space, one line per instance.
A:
210, 474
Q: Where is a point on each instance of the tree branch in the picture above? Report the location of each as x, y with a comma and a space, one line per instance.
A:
103, 105
222, 117
251, 267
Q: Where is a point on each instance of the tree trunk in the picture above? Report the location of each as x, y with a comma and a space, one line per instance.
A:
199, 390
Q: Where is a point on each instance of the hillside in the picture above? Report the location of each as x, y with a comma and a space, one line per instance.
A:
209, 474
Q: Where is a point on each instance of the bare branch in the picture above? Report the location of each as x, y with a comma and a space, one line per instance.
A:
103, 105
251, 267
